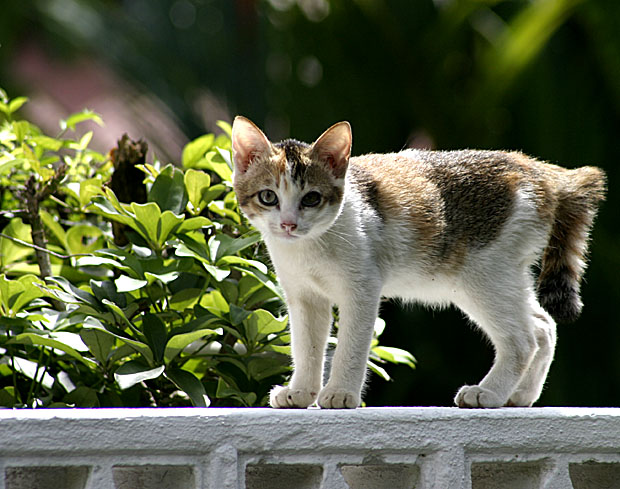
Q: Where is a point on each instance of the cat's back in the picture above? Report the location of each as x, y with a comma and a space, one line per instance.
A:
449, 202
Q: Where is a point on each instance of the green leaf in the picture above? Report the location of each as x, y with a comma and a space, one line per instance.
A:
46, 143
212, 193
83, 238
128, 284
169, 223
229, 260
264, 367
88, 189
10, 251
74, 119
22, 129
146, 220
16, 294
218, 207
216, 162
226, 127
265, 279
189, 383
193, 224
262, 322
8, 397
394, 355
99, 343
217, 273
102, 205
197, 184
134, 372
36, 339
238, 314
215, 303
380, 371
165, 278
83, 397
156, 336
152, 224
224, 390
195, 150
17, 103
185, 298
168, 190
72, 293
106, 290
135, 345
178, 342
222, 245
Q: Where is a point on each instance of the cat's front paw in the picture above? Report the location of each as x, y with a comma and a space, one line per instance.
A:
474, 396
285, 397
334, 398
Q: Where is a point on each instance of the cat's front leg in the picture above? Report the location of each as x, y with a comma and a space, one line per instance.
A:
310, 318
348, 371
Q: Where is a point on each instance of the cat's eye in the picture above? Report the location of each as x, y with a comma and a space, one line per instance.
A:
311, 199
268, 197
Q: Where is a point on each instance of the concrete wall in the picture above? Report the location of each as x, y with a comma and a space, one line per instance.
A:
387, 448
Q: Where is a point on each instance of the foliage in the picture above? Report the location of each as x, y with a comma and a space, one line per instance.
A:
186, 314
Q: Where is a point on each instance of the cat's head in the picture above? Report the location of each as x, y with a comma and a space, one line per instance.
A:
290, 190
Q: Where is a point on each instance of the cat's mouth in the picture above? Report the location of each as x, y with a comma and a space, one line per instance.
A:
288, 235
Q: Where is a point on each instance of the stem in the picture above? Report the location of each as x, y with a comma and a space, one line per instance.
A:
34, 379
44, 250
32, 195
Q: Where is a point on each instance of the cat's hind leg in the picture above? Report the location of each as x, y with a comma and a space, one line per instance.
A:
503, 313
529, 388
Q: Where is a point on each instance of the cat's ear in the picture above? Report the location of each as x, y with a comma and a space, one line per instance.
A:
248, 143
333, 147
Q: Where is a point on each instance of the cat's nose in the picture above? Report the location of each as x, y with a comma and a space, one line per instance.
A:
288, 226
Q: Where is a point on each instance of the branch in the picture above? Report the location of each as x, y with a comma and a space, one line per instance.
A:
44, 250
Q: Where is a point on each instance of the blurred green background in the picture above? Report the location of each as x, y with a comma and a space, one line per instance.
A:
541, 76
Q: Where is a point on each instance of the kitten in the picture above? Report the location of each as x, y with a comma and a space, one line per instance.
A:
440, 227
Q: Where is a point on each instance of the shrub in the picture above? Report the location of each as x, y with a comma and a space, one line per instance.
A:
127, 283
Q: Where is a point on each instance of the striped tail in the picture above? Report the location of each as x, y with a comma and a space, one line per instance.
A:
564, 258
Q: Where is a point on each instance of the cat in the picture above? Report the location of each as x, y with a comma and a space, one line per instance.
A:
438, 227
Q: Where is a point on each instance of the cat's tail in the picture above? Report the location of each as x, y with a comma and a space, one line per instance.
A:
564, 258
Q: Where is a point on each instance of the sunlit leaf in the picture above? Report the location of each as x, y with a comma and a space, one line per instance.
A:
196, 149
75, 119
133, 372
178, 342
39, 340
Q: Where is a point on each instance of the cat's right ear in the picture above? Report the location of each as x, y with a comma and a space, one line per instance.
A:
248, 143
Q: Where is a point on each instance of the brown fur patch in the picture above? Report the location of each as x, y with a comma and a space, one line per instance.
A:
455, 201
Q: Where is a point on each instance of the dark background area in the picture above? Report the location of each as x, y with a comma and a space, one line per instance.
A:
540, 76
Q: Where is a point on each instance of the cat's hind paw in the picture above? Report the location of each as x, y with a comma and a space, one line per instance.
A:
285, 397
332, 398
474, 396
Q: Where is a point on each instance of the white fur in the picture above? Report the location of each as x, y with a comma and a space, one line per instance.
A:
359, 259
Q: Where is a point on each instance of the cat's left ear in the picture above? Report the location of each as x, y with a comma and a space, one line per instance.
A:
333, 147
248, 143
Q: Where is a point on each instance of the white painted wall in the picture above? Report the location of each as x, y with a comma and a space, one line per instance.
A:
374, 448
